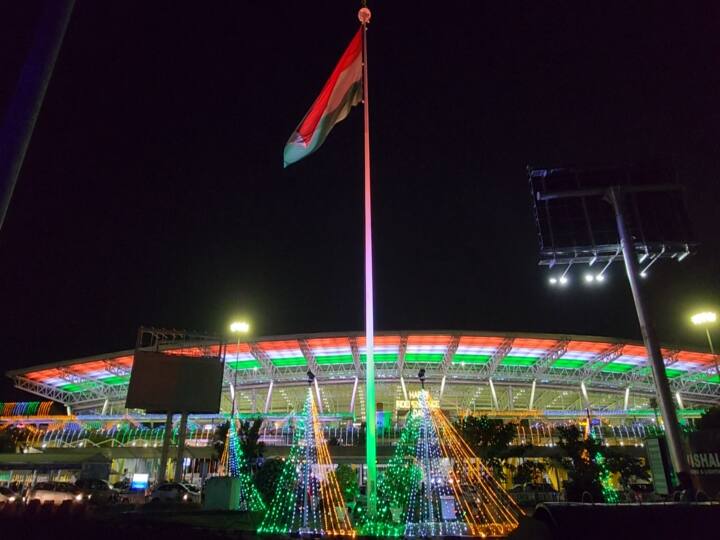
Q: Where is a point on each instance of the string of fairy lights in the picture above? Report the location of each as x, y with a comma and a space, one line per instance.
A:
435, 485
488, 509
393, 488
308, 499
235, 465
433, 509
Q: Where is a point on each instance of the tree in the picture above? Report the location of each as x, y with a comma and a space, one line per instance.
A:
267, 476
12, 439
489, 438
529, 472
219, 437
347, 480
628, 467
583, 471
249, 438
709, 420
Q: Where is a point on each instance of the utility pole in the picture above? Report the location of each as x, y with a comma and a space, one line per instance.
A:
662, 387
19, 122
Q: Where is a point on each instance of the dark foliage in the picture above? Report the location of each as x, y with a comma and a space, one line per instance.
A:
583, 472
267, 476
489, 438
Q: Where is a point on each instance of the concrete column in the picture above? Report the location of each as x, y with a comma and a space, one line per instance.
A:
352, 397
532, 394
493, 395
180, 447
162, 467
268, 399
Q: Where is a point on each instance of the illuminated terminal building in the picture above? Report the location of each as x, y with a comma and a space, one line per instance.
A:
535, 381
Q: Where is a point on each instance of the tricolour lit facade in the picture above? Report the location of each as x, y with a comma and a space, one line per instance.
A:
466, 370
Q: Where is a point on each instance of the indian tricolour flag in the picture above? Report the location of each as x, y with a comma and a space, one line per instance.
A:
341, 92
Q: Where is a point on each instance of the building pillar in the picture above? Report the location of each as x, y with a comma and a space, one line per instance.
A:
181, 447
268, 399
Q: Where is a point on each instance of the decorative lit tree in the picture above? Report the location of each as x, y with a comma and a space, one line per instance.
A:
395, 485
439, 485
308, 499
236, 466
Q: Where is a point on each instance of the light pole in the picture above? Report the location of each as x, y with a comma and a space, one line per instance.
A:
706, 319
240, 328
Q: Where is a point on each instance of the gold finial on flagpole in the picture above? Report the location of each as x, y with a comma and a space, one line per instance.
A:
364, 14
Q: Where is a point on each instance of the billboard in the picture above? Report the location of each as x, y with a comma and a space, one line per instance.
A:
582, 228
175, 383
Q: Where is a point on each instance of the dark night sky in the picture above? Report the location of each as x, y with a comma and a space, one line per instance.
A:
153, 190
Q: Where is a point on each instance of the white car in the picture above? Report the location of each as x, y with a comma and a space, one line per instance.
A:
57, 492
7, 495
175, 492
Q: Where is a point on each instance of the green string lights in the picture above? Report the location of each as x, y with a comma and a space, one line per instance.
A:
237, 467
307, 499
395, 485
435, 485
433, 509
608, 492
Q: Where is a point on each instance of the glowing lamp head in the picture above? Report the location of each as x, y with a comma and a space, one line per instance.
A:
705, 317
563, 280
643, 274
553, 281
589, 278
600, 278
240, 327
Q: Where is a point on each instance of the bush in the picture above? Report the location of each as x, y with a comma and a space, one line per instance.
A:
266, 478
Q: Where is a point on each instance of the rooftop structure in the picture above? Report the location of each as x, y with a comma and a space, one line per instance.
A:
466, 370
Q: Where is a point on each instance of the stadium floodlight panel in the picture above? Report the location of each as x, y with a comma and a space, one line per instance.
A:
704, 317
241, 327
576, 225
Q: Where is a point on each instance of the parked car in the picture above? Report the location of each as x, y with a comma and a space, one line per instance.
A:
531, 494
97, 491
8, 495
128, 494
175, 492
56, 492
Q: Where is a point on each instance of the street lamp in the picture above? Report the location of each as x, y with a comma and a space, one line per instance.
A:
707, 318
240, 328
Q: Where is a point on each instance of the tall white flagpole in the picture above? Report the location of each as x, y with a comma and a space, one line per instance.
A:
370, 420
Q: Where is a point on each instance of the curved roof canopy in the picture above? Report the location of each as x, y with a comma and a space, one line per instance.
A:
461, 358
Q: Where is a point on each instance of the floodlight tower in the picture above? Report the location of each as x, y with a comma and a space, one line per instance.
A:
240, 328
576, 227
